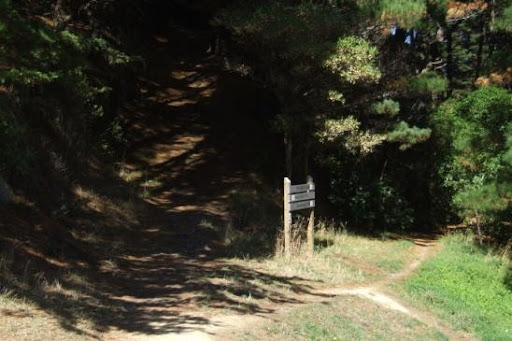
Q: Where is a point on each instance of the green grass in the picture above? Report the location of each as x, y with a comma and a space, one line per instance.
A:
468, 286
346, 318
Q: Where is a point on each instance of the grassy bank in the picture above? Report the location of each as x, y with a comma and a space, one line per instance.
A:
340, 258
468, 286
346, 318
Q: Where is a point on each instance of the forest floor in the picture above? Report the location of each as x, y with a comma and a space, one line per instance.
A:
171, 281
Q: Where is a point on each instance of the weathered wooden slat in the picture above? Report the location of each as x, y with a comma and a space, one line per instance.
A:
287, 218
302, 188
311, 225
301, 205
302, 196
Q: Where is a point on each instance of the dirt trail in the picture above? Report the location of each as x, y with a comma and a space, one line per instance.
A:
379, 293
226, 327
376, 292
170, 284
171, 281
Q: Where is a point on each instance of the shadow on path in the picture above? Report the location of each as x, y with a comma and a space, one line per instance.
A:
185, 164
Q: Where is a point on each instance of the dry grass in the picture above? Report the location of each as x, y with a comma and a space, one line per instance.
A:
47, 285
340, 258
23, 320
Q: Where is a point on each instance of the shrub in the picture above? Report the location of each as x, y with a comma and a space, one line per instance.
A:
473, 135
49, 86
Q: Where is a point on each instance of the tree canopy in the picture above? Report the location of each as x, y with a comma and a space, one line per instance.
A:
374, 92
402, 107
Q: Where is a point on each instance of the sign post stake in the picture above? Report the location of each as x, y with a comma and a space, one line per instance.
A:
298, 197
311, 226
287, 217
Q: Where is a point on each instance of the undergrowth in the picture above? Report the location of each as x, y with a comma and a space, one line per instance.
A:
57, 83
340, 257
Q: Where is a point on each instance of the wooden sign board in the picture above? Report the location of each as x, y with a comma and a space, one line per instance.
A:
302, 188
298, 197
301, 205
302, 196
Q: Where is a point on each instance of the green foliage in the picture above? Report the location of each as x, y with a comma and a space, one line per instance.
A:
50, 83
473, 135
347, 132
112, 56
386, 107
367, 201
404, 12
480, 198
507, 157
467, 286
318, 60
335, 129
304, 51
427, 84
504, 19
437, 10
352, 61
309, 54
408, 136
285, 32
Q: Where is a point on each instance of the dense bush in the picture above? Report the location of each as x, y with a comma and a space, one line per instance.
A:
367, 200
474, 135
49, 86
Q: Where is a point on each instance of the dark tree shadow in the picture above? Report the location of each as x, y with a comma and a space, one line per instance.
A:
144, 269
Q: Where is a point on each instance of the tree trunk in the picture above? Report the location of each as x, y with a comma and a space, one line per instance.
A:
307, 148
287, 217
478, 228
449, 59
288, 145
480, 51
311, 227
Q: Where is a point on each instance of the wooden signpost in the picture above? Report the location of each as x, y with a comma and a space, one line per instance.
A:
298, 197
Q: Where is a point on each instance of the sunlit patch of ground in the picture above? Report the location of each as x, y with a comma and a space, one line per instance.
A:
347, 318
